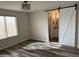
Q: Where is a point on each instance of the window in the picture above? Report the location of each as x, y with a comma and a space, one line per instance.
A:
2, 28
8, 27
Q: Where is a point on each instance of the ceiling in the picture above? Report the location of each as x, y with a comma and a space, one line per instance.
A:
35, 5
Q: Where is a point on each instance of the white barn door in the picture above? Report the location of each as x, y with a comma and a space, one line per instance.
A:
67, 23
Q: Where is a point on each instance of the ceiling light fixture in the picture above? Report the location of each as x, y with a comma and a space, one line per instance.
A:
26, 5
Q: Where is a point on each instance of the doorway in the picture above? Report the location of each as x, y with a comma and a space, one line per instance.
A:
62, 26
53, 24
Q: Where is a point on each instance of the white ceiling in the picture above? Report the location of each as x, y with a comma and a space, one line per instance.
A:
35, 5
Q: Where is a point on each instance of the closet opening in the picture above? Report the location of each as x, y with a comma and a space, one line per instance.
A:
53, 24
63, 25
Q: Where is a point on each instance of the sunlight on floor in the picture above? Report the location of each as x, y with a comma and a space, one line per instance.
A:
43, 45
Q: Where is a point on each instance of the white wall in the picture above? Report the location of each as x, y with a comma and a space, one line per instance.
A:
78, 28
23, 29
39, 26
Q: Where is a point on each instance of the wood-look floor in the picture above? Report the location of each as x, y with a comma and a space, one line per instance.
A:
19, 51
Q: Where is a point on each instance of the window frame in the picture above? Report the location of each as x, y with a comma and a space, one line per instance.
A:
6, 25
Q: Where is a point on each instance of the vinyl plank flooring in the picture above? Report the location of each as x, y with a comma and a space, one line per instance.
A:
38, 49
